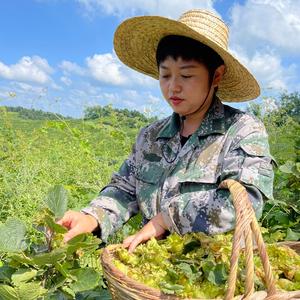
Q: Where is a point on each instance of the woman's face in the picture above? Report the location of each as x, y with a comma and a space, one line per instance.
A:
184, 84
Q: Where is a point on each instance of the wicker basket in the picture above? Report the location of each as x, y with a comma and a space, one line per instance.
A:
124, 288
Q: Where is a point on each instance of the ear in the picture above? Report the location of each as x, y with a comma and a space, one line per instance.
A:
218, 75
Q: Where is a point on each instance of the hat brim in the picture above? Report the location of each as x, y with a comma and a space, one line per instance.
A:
136, 41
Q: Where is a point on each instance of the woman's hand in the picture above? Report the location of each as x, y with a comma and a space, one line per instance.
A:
77, 223
154, 228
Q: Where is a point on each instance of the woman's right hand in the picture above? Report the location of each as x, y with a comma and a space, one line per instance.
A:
77, 223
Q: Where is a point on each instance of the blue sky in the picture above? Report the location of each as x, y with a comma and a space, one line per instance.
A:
57, 55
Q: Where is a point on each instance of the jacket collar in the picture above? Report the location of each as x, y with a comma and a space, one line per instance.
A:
213, 122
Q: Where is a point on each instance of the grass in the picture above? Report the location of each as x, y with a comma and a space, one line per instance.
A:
35, 155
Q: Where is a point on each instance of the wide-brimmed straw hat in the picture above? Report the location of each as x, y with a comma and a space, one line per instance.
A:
136, 41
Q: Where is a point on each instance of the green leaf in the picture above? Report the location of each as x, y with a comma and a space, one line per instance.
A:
86, 246
104, 295
190, 246
287, 167
77, 239
185, 268
188, 271
97, 294
68, 291
12, 236
8, 293
172, 274
50, 258
5, 274
87, 279
54, 226
292, 235
216, 274
55, 282
282, 218
57, 295
168, 288
23, 275
30, 291
57, 200
84, 241
76, 243
21, 258
62, 269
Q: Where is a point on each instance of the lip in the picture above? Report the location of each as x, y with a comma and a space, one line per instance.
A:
176, 100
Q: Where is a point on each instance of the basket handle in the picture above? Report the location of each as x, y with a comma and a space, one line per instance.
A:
246, 227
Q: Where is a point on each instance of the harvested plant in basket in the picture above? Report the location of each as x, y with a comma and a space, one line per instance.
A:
197, 266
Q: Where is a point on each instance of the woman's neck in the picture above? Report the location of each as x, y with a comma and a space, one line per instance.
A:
192, 122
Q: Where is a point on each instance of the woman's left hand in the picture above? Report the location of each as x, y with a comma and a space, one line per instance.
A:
154, 228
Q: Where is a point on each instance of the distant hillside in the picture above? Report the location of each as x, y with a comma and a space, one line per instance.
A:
108, 114
34, 114
96, 112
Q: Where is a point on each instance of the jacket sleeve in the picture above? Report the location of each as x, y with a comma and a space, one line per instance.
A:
116, 202
248, 161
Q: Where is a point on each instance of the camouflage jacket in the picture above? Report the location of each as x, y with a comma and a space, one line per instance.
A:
182, 182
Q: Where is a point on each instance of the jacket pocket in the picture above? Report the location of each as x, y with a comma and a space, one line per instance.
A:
150, 172
199, 178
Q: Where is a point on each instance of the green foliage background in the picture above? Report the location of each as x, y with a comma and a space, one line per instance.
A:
282, 120
40, 150
79, 154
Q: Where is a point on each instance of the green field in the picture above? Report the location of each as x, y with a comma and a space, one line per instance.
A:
36, 154
81, 154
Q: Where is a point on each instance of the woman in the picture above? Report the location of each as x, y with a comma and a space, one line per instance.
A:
177, 164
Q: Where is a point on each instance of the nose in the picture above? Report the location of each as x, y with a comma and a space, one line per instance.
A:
174, 85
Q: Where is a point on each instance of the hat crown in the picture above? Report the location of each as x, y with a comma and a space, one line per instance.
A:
136, 41
208, 25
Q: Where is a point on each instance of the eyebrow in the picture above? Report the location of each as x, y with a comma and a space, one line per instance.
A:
182, 67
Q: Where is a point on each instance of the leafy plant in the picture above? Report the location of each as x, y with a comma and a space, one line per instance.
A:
53, 270
282, 216
281, 117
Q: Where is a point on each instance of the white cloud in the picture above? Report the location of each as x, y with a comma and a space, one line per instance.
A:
27, 69
22, 94
140, 79
276, 22
166, 8
142, 101
121, 98
265, 35
56, 86
154, 100
69, 67
106, 68
3, 95
26, 89
268, 68
67, 81
6, 93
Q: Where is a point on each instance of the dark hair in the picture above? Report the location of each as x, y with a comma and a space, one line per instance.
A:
177, 46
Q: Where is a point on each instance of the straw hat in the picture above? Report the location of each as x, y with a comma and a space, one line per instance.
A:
136, 41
